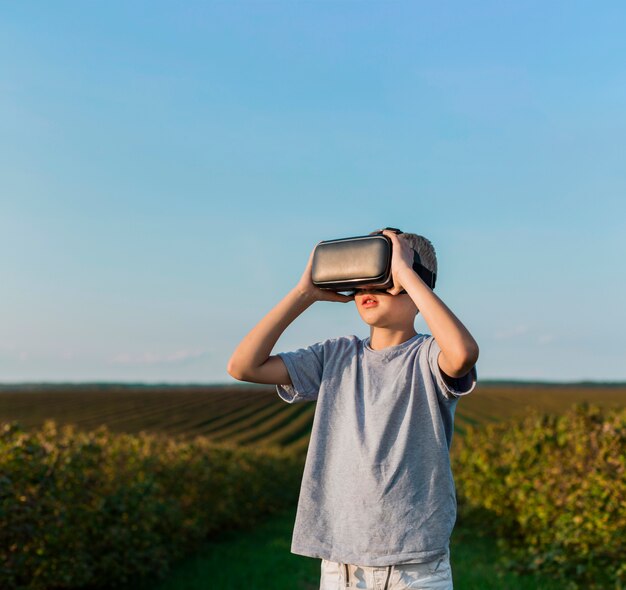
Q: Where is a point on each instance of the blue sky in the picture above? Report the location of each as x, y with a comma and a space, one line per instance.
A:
166, 169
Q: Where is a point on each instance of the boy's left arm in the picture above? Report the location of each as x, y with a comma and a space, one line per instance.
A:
459, 350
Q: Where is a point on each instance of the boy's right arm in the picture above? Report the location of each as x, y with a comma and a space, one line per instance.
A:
251, 360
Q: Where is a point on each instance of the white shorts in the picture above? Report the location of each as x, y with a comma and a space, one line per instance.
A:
434, 575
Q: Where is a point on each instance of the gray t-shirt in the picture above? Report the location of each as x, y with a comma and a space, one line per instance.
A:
377, 487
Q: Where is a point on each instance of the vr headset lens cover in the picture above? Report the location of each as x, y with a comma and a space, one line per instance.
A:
360, 262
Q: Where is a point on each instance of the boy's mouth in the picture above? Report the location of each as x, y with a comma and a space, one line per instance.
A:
369, 301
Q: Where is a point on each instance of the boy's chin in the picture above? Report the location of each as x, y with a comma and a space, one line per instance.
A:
378, 323
388, 323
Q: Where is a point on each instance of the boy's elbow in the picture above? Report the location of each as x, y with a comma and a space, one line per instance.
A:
473, 353
470, 357
234, 371
462, 362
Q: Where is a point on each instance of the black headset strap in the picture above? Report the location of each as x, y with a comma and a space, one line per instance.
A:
426, 275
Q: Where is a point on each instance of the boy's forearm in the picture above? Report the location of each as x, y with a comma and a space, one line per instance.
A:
257, 345
456, 343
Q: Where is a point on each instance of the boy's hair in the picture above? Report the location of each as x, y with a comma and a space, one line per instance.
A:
423, 246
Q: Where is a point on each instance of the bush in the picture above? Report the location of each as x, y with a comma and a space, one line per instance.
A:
98, 509
557, 487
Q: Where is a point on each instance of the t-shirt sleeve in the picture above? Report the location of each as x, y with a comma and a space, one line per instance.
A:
305, 367
458, 387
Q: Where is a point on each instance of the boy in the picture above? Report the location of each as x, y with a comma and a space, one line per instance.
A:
377, 502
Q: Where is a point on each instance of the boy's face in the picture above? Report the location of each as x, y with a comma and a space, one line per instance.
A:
383, 310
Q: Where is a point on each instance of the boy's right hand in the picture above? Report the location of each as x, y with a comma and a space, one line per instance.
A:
308, 289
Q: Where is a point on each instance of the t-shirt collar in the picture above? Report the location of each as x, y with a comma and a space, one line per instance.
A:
389, 350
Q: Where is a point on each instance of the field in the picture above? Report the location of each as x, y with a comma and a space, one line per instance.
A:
254, 414
252, 417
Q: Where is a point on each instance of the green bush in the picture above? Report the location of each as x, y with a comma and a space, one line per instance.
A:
99, 509
554, 490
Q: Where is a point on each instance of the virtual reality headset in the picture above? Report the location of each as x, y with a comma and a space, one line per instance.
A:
361, 262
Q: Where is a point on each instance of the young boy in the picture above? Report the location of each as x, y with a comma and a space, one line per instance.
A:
377, 501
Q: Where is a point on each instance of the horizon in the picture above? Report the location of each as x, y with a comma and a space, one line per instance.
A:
234, 383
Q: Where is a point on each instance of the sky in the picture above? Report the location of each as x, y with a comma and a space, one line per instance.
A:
167, 168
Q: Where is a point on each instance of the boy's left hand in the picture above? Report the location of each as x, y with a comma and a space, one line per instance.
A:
401, 259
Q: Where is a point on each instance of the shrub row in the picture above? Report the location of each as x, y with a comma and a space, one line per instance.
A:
99, 509
554, 490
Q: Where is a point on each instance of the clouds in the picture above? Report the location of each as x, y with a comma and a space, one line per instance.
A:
511, 332
185, 356
147, 359
11, 352
522, 332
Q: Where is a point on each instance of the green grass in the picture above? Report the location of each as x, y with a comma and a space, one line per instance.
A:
256, 559
475, 557
260, 559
